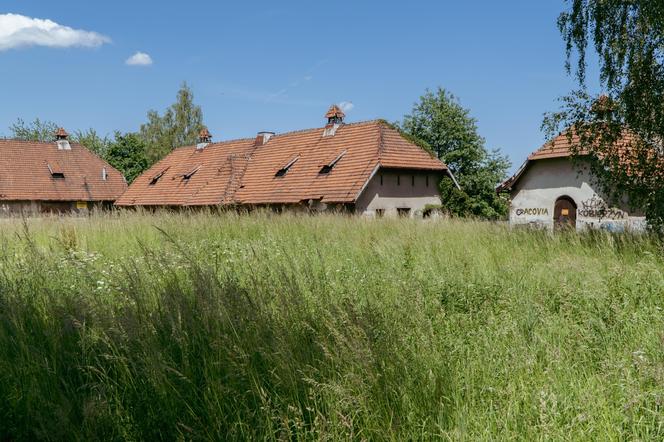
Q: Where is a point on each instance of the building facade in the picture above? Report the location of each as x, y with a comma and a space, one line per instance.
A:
551, 191
367, 168
56, 177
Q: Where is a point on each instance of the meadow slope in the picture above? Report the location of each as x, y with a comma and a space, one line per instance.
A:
228, 327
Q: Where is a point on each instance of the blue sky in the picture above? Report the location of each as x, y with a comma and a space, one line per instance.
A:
277, 66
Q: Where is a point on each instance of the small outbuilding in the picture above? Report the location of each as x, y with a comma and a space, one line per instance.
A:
367, 168
55, 177
552, 191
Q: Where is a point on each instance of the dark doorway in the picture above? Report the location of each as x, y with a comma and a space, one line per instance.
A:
564, 213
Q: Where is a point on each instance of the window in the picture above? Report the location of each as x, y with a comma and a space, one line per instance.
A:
329, 166
56, 170
157, 177
380, 213
381, 179
104, 174
284, 170
412, 181
403, 212
186, 176
398, 180
427, 181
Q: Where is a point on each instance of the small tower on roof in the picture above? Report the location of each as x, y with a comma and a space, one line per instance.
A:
204, 136
61, 134
335, 115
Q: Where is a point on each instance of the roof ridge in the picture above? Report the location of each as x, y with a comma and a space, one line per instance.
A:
276, 135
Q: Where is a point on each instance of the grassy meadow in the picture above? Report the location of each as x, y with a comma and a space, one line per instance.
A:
228, 327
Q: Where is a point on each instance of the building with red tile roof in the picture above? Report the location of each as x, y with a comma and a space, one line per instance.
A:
38, 177
366, 167
550, 190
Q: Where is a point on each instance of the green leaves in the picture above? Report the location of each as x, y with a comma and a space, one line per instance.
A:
179, 126
628, 37
442, 123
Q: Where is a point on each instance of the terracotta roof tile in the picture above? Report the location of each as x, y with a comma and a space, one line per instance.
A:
27, 168
241, 172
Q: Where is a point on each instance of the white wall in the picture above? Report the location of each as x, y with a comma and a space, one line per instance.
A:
535, 194
400, 192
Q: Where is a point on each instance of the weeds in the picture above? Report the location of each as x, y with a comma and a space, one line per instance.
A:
226, 327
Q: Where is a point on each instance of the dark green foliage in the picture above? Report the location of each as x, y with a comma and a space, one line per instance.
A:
127, 154
178, 126
92, 141
443, 124
36, 130
628, 37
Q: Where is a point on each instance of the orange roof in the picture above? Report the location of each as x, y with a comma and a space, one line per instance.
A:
36, 171
243, 172
561, 147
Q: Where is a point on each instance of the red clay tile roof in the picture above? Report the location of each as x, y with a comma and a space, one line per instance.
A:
559, 147
242, 172
26, 169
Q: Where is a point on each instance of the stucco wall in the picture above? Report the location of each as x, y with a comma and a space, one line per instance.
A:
16, 208
397, 191
535, 195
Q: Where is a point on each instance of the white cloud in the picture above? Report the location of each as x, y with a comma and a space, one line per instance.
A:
18, 31
139, 59
346, 106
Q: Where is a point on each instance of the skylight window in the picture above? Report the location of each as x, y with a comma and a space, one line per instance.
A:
329, 166
157, 177
56, 170
284, 170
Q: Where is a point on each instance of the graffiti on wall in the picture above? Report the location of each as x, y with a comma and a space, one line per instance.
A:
536, 211
595, 207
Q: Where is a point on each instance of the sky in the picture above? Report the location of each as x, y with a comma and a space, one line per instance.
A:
277, 66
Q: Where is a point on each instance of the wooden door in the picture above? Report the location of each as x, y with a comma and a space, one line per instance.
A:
564, 214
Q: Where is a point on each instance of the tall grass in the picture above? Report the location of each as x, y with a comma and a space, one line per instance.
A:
224, 327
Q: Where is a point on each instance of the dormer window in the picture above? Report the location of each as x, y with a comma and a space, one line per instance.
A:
284, 170
104, 174
329, 166
188, 175
55, 170
157, 177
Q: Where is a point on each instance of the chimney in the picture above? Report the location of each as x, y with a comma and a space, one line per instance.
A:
262, 138
335, 118
204, 138
62, 139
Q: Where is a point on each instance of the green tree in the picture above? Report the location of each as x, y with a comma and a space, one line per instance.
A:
93, 141
439, 120
127, 154
178, 126
628, 37
37, 130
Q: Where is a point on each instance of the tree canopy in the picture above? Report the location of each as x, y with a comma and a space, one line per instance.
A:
127, 154
628, 37
178, 126
37, 130
442, 123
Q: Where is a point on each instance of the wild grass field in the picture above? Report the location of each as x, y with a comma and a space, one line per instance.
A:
229, 327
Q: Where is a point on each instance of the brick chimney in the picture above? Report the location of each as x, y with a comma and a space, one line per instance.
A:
204, 138
262, 138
